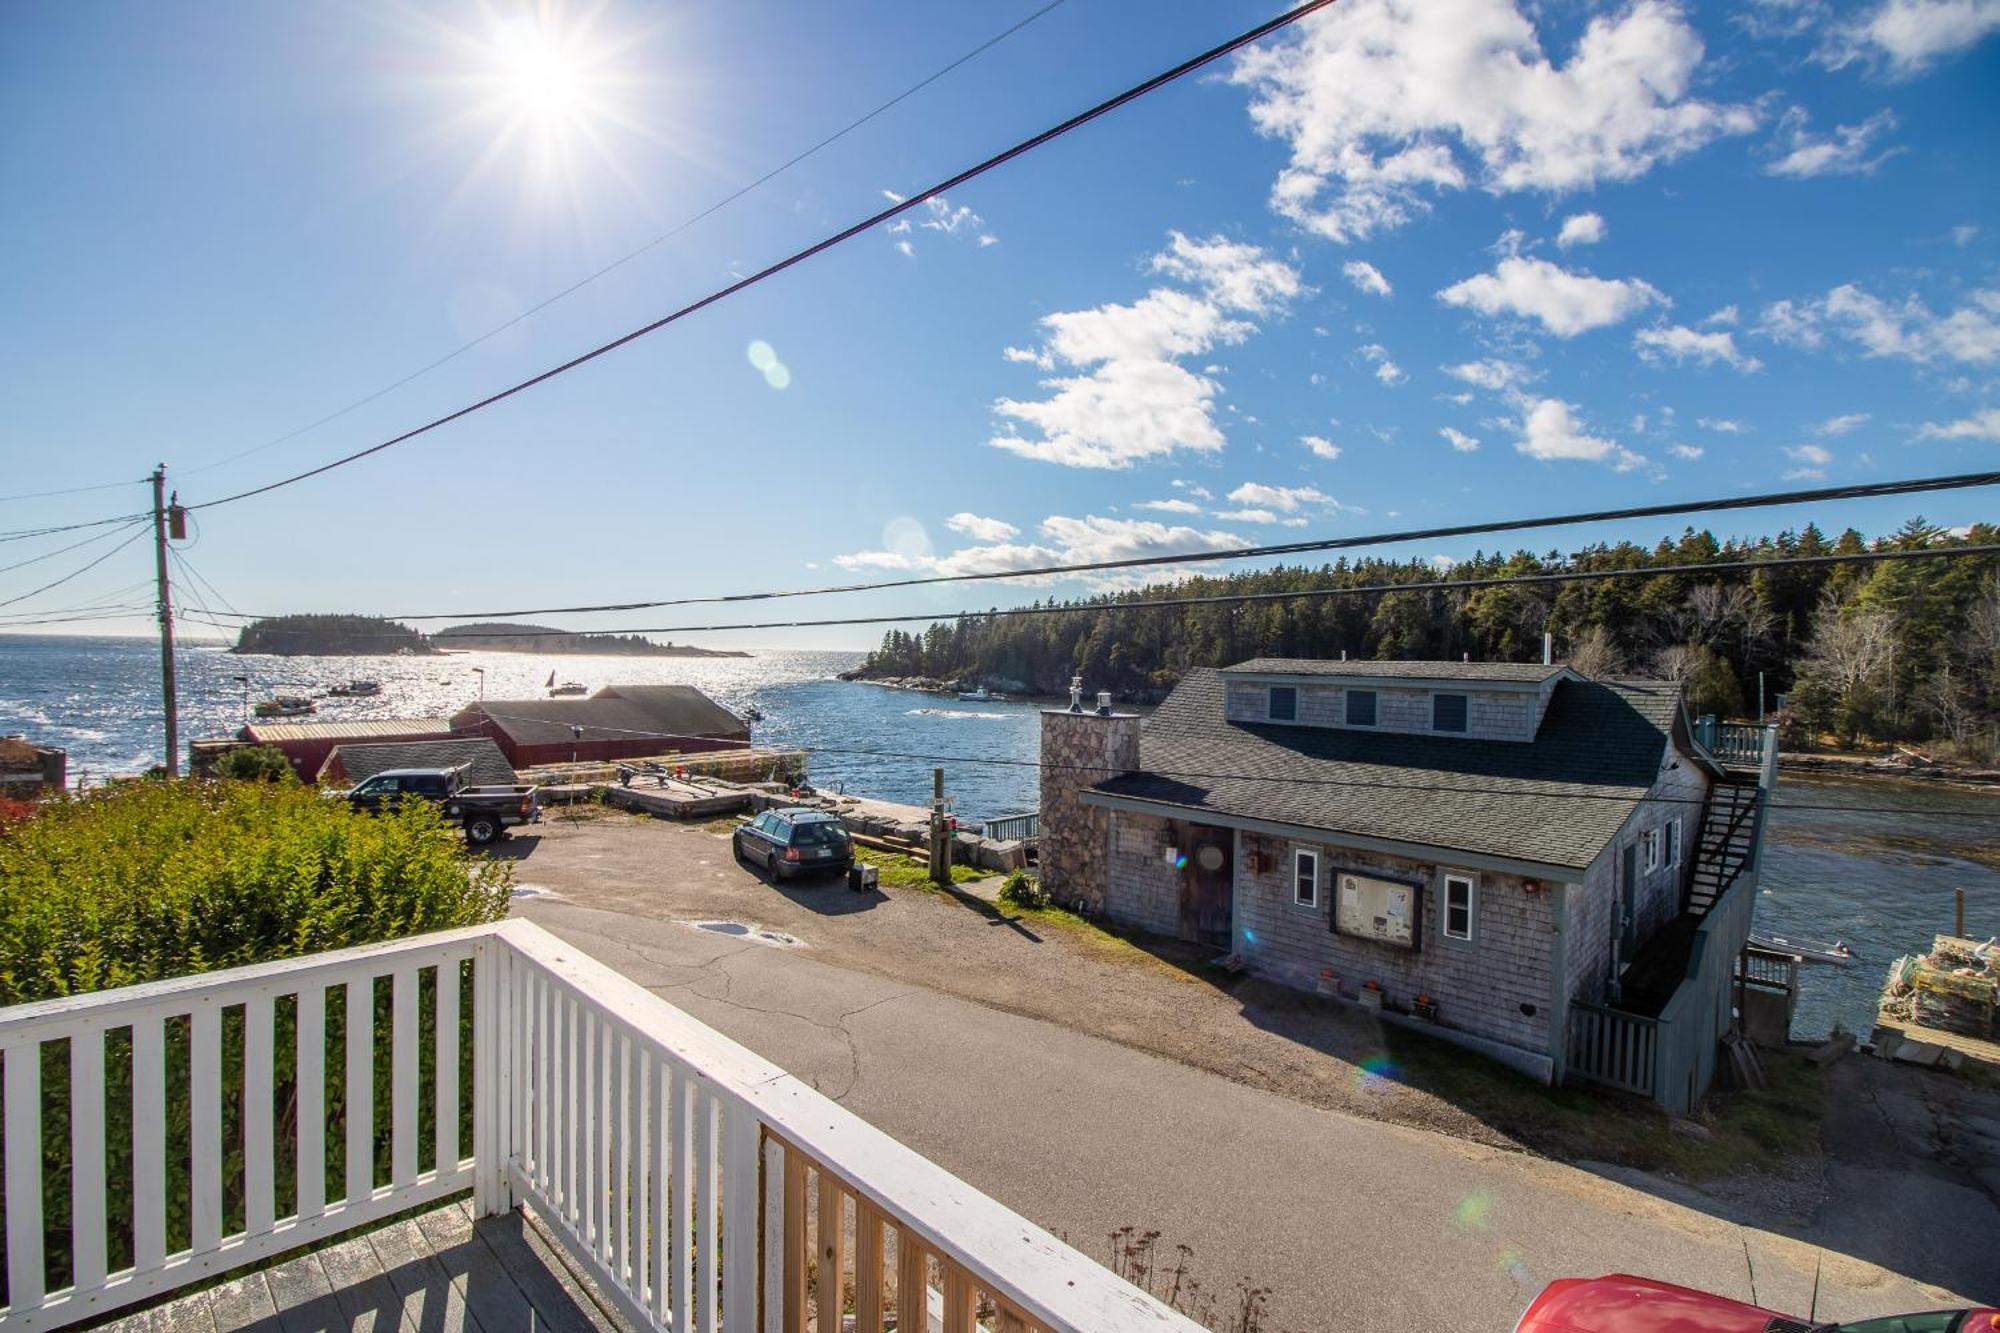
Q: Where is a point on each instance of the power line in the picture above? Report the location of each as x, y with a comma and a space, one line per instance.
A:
627, 258
72, 490
798, 257
23, 534
1871, 490
138, 532
1225, 599
60, 550
1545, 792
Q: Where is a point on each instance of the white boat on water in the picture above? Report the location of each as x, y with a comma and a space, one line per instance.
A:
1812, 951
356, 689
283, 705
568, 687
982, 695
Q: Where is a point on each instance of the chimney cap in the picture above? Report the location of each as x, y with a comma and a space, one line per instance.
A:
1104, 703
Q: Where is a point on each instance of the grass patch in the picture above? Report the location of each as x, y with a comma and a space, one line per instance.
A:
908, 872
1747, 1131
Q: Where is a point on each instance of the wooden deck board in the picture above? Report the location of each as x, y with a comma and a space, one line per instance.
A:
434, 1273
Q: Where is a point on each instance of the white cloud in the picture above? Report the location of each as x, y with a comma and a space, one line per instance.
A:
1386, 103
1840, 425
982, 529
1845, 152
1284, 499
1170, 506
1246, 515
1809, 453
1134, 399
907, 250
1064, 540
1581, 229
1909, 329
1905, 37
1320, 446
1687, 451
1232, 274
1551, 431
940, 215
1679, 343
1565, 303
1720, 425
1460, 441
1981, 425
1492, 373
1386, 370
1198, 492
1726, 317
1030, 356
1367, 277
1965, 233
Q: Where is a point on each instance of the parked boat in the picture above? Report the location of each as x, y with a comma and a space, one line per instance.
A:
753, 714
356, 689
283, 705
1812, 951
982, 695
568, 687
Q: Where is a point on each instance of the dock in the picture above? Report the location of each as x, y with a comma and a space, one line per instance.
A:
677, 799
1898, 1038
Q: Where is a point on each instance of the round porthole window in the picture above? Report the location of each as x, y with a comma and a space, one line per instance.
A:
1209, 857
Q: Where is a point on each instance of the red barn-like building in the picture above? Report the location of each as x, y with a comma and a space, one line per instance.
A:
618, 722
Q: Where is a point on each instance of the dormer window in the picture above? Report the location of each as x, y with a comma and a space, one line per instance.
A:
1447, 712
1284, 704
1361, 708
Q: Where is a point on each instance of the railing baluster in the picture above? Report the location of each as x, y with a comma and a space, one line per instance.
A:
742, 1153
149, 1140
359, 1093
957, 1300
310, 1062
795, 1242
659, 1137
617, 1199
205, 1123
447, 1066
86, 1137
260, 1207
403, 1077
913, 1283
631, 1184
680, 1204
566, 1056
832, 1251
603, 1154
867, 1268
23, 1110
771, 1206
520, 1050
707, 1144
645, 1277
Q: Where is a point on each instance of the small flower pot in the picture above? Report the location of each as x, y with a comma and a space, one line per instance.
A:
1370, 999
1329, 985
1426, 1009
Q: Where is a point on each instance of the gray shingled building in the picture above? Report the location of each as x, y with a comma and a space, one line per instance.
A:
351, 764
1480, 847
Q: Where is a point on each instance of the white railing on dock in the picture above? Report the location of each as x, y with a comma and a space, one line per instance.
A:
209, 1128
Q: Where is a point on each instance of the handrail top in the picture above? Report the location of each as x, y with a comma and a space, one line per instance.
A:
95, 1006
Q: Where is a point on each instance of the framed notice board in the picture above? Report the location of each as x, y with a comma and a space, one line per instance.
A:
1387, 911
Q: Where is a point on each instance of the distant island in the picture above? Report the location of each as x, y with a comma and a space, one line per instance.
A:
507, 637
372, 636
331, 636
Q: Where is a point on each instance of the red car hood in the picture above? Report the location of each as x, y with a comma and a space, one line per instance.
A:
1622, 1303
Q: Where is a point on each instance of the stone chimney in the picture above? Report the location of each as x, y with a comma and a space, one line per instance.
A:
1080, 748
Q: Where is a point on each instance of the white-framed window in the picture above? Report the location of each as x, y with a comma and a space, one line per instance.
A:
1305, 877
1283, 703
1361, 708
1448, 712
1459, 892
1649, 848
1673, 844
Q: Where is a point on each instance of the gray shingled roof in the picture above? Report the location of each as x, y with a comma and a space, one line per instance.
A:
356, 762
681, 709
1532, 672
604, 718
1497, 798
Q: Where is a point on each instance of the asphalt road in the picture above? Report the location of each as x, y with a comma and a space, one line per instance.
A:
1350, 1223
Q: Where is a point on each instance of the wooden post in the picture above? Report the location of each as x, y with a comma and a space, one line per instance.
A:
940, 846
1958, 914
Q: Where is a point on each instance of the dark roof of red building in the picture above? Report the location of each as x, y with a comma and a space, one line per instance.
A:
681, 709
552, 721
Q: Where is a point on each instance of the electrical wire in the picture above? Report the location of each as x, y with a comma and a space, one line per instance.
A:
1870, 490
627, 258
800, 256
1226, 599
60, 550
23, 534
73, 490
138, 532
94, 602
1417, 788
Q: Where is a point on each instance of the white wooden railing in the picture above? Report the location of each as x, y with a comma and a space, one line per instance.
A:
702, 1187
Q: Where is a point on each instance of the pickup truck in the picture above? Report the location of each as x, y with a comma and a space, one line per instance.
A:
485, 812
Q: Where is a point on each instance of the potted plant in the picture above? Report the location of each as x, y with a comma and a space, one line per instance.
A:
1371, 994
1424, 1007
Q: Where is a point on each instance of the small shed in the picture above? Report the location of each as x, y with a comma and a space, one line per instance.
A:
483, 761
307, 744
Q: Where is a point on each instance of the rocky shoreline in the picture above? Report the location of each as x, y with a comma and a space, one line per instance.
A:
1896, 768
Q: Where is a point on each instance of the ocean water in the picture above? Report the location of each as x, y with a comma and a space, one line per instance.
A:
1877, 870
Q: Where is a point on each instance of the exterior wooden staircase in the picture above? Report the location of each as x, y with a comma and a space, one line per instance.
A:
1726, 842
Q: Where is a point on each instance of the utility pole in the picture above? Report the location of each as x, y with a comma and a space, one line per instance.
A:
166, 605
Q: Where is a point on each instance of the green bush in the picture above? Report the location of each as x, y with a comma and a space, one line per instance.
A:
1024, 892
157, 880
255, 763
152, 880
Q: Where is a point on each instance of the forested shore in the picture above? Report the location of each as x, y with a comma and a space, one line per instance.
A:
1891, 650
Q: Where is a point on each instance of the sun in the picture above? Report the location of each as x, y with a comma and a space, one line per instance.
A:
540, 74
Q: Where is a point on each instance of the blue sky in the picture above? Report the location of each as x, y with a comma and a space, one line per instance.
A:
1408, 264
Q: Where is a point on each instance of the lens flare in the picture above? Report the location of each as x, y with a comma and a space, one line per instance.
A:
1377, 1073
1474, 1211
1511, 1263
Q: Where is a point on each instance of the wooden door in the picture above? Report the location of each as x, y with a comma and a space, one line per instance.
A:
1208, 883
